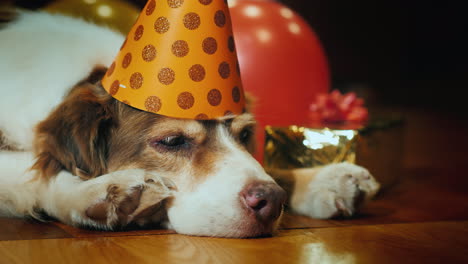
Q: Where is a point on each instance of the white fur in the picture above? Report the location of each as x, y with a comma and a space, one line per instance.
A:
42, 56
16, 188
333, 184
214, 207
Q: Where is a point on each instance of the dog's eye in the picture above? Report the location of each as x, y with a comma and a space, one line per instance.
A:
171, 143
245, 135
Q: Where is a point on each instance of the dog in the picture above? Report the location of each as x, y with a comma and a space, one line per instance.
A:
71, 152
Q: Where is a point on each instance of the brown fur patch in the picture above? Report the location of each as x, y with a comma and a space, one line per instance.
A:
99, 211
75, 136
88, 130
196, 158
241, 123
129, 144
96, 74
4, 145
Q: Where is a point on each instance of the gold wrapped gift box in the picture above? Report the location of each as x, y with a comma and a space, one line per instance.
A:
377, 147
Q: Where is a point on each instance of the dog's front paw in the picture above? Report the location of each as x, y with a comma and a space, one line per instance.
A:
336, 190
123, 199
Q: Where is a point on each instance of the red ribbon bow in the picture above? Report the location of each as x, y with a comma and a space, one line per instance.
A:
335, 107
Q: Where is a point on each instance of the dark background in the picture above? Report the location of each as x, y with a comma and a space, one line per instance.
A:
410, 53
396, 53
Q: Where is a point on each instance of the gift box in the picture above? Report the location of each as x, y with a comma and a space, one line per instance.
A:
376, 145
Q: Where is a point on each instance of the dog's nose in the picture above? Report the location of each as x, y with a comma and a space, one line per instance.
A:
265, 199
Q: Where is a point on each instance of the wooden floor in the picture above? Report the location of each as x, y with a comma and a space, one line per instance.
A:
423, 219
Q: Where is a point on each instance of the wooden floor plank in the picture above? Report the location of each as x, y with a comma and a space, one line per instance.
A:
434, 242
83, 233
21, 229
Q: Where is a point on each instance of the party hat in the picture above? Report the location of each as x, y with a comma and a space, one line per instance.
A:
179, 60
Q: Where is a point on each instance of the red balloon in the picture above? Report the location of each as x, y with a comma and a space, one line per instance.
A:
282, 63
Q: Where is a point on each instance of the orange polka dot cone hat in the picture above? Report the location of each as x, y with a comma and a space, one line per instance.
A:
179, 60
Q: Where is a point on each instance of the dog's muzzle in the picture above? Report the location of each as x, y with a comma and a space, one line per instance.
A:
264, 200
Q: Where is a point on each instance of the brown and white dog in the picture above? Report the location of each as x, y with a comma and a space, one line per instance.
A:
72, 152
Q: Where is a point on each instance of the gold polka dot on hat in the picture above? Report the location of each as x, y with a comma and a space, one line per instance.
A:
179, 60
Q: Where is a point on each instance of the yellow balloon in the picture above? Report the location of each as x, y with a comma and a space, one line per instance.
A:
115, 14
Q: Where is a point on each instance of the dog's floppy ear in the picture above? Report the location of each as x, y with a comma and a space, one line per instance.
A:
75, 135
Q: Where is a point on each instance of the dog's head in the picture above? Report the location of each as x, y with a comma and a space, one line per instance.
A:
222, 189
